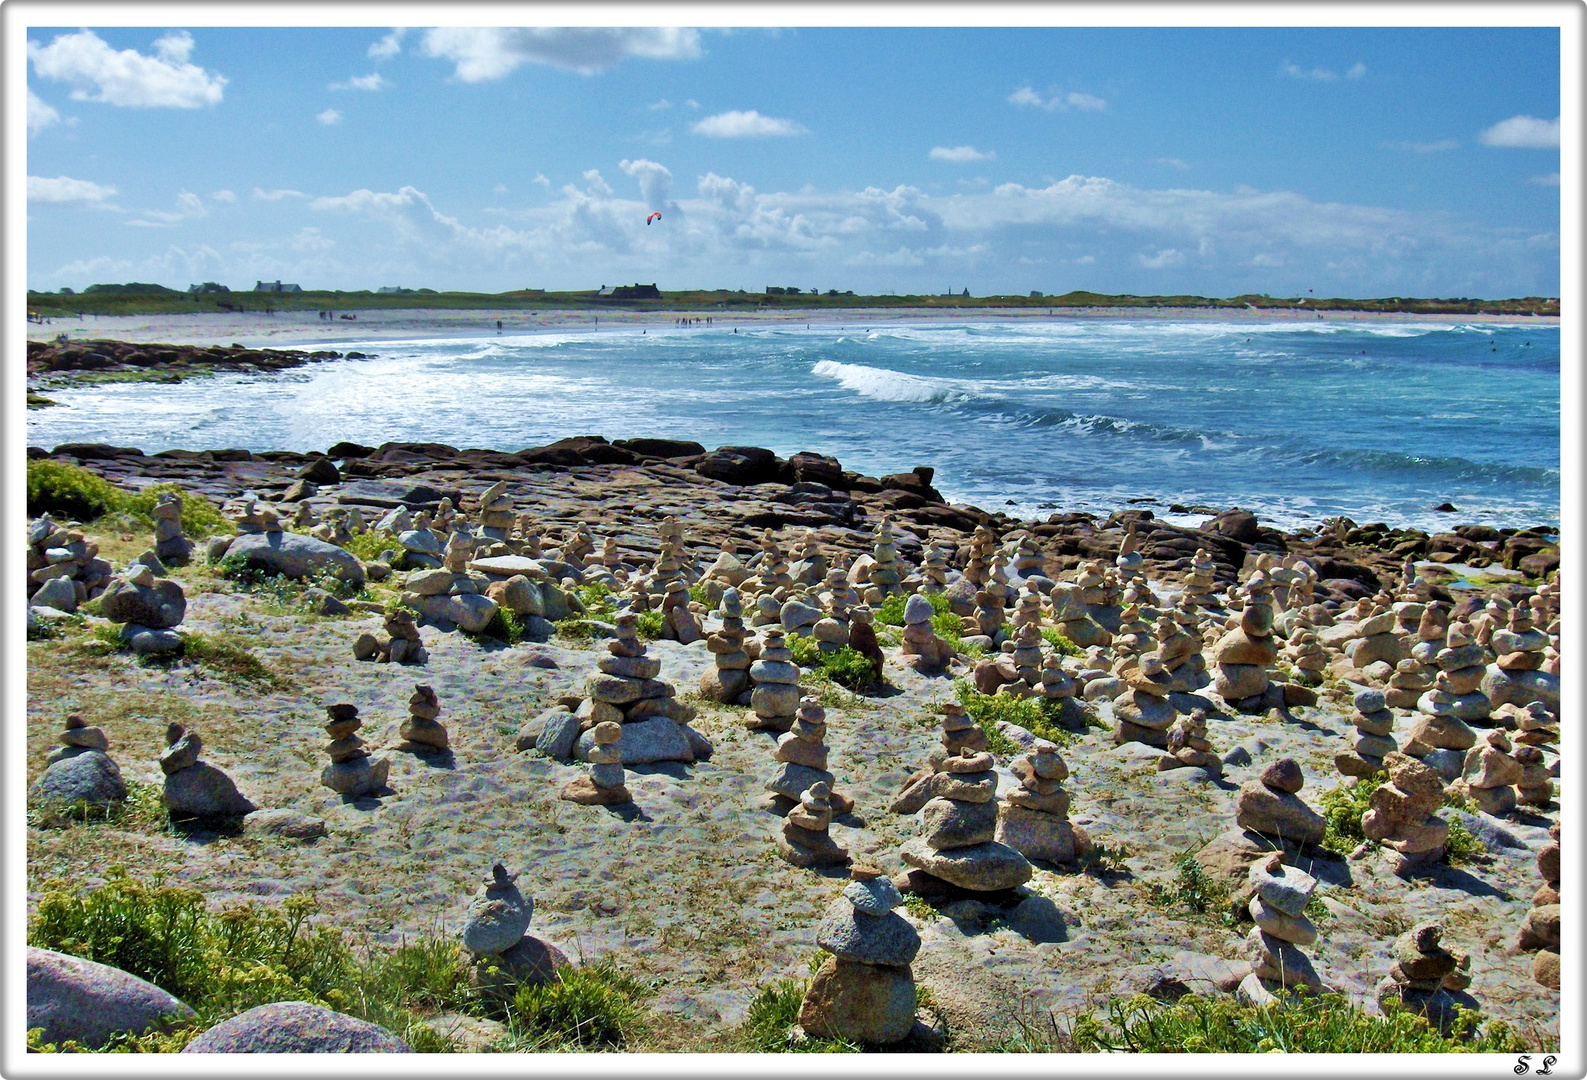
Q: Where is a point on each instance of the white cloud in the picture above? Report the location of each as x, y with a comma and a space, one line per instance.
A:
223, 195
1164, 258
63, 189
390, 45
540, 178
277, 195
960, 154
1422, 147
691, 103
657, 106
1057, 101
1550, 180
1295, 71
500, 189
1523, 132
655, 183
737, 124
40, 114
309, 238
329, 116
188, 206
482, 53
596, 184
96, 72
361, 82
1171, 161
1357, 71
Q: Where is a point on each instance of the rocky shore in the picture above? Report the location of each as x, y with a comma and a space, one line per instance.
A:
63, 362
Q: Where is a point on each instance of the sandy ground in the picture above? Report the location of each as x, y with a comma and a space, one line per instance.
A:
295, 329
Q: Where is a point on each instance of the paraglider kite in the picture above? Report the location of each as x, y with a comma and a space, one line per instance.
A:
654, 217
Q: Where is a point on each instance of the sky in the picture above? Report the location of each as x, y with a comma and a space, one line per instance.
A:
1211, 161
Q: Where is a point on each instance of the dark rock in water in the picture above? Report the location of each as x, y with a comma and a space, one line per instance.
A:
320, 471
73, 998
1445, 508
295, 1027
662, 448
1236, 524
347, 450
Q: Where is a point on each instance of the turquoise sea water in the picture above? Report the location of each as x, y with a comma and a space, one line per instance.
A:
1297, 422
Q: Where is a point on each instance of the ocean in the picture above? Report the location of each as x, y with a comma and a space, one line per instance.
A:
1378, 421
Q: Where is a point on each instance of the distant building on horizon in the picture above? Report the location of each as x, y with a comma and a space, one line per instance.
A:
276, 287
636, 292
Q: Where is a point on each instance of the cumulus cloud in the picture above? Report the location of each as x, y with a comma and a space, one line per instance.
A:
960, 154
390, 45
738, 124
96, 72
329, 116
188, 206
1164, 258
40, 114
655, 182
223, 195
1422, 147
63, 189
1548, 180
483, 53
1523, 132
1057, 101
361, 82
277, 195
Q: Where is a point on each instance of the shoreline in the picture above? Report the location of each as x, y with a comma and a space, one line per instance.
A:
297, 329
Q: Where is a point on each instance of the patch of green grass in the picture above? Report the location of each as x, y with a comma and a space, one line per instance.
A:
843, 666
770, 1022
1056, 639
596, 600
1460, 846
1342, 808
919, 906
1192, 888
1040, 716
504, 626
200, 517
1454, 800
891, 613
591, 1008
227, 659
70, 491
1104, 859
1326, 1024
651, 625
368, 545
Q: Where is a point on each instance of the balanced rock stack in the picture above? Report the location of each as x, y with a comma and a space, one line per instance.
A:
1134, 635
1535, 787
1535, 726
1130, 560
1279, 897
865, 992
987, 611
1178, 651
1424, 976
1025, 560
80, 772
933, 571
1407, 685
1374, 736
1402, 815
603, 785
170, 546
931, 653
1189, 747
804, 840
194, 788
831, 632
496, 935
653, 725
1431, 629
64, 568
1490, 774
1457, 689
775, 698
1306, 654
728, 681
1201, 584
1035, 819
883, 576
1144, 711
957, 845
801, 757
150, 608
960, 734
1375, 641
421, 732
352, 772
1517, 677
1540, 932
1271, 806
809, 568
1074, 617
1058, 687
1243, 654
401, 644
452, 595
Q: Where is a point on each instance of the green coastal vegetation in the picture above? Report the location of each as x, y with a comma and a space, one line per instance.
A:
142, 298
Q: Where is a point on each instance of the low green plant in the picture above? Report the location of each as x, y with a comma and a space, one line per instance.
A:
769, 1024
504, 626
845, 666
1192, 887
368, 545
1455, 800
1042, 717
595, 1007
1460, 846
1324, 1024
651, 625
200, 517
1104, 859
596, 600
919, 906
227, 658
1342, 808
1055, 638
891, 611
71, 491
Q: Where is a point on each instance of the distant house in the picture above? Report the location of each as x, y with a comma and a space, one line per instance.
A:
276, 287
636, 292
392, 289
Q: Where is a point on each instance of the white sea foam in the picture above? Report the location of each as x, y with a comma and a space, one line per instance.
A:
883, 384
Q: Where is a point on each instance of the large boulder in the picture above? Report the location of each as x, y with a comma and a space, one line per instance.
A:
88, 777
295, 1027
159, 606
73, 998
296, 556
203, 791
863, 1003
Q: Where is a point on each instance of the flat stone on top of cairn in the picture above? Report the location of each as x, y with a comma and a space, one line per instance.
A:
958, 845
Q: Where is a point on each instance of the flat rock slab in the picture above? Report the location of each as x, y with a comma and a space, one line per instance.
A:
296, 556
295, 1027
508, 565
645, 742
73, 998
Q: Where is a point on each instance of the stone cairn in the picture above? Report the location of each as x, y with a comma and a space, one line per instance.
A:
1517, 676
496, 516
728, 681
1189, 747
352, 772
603, 785
170, 546
421, 732
1073, 616
1278, 906
1535, 726
1243, 654
934, 570
1271, 805
809, 569
775, 677
865, 992
883, 577
1178, 651
1425, 976
1540, 932
1407, 685
801, 757
1058, 687
1025, 558
401, 644
653, 725
496, 934
831, 632
1133, 638
1402, 815
1144, 711
959, 734
194, 788
1489, 775
1375, 640
958, 846
79, 772
804, 840
1201, 583
64, 568
1374, 736
149, 608
931, 653
1455, 698
1306, 655
1034, 821
1535, 787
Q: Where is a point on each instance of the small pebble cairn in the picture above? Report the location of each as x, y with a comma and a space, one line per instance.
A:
1536, 786
1034, 820
1535, 726
1073, 616
1373, 739
1280, 894
1189, 747
170, 546
421, 732
1407, 685
1456, 694
1144, 711
1201, 586
1540, 932
804, 840
400, 645
1307, 655
1130, 560
64, 568
1402, 815
832, 631
194, 788
1271, 805
884, 577
775, 677
80, 771
1517, 676
1490, 774
957, 845
930, 653
865, 992
352, 772
728, 681
496, 934
801, 757
959, 734
1424, 975
604, 784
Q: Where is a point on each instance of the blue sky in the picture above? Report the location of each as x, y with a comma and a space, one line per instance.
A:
1364, 162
